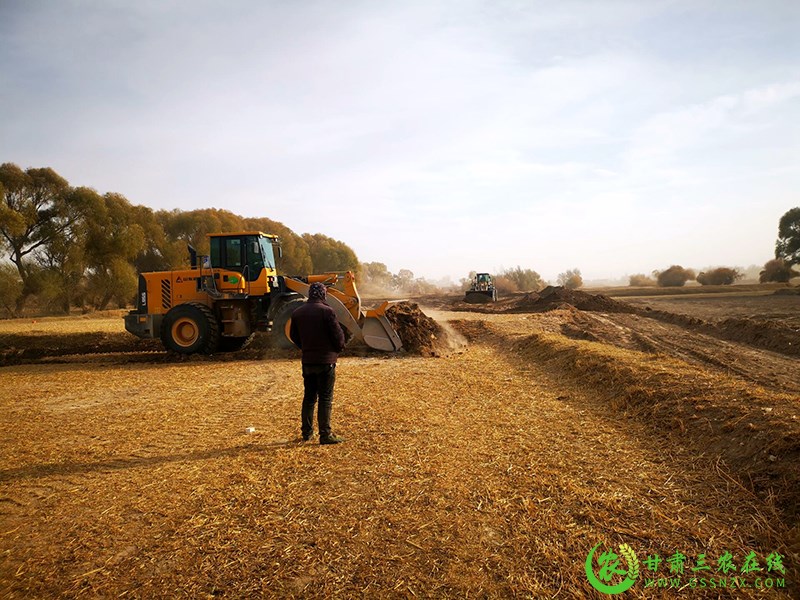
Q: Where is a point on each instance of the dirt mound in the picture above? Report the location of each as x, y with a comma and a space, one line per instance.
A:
19, 348
795, 291
760, 333
558, 297
419, 333
764, 334
752, 429
115, 348
501, 306
550, 298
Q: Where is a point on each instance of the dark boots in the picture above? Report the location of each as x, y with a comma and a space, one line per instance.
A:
323, 422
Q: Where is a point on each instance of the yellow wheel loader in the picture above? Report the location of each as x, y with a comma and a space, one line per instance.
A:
223, 299
481, 290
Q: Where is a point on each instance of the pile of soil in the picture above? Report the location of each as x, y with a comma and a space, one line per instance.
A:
20, 348
121, 348
419, 333
551, 298
793, 291
581, 300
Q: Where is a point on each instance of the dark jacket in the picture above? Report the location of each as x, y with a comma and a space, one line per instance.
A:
317, 332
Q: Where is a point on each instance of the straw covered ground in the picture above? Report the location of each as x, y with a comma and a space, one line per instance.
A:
488, 471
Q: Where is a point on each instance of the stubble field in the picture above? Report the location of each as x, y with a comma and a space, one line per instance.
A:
670, 424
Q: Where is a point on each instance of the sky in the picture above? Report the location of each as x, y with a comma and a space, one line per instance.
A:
439, 136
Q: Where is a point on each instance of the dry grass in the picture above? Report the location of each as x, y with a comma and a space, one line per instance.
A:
471, 475
100, 322
692, 289
756, 431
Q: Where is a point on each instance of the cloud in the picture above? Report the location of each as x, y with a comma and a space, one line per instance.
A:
428, 135
659, 141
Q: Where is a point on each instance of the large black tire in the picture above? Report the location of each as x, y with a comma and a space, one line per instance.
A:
280, 324
190, 328
232, 344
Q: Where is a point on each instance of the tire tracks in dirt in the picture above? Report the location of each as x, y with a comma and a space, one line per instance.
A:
681, 407
753, 364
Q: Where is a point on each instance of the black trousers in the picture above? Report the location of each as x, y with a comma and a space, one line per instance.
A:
318, 381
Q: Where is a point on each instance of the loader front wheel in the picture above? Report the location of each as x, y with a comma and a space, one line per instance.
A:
281, 324
190, 328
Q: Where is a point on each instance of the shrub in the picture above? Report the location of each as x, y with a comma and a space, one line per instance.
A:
719, 276
505, 285
525, 279
641, 280
777, 270
571, 279
675, 276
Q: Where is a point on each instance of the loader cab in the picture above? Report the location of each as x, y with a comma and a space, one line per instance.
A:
483, 281
250, 253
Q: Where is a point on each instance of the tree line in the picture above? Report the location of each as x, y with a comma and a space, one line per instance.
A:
74, 247
778, 270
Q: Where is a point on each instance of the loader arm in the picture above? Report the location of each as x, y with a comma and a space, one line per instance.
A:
370, 326
343, 313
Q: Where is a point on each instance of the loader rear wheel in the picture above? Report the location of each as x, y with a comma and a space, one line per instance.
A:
282, 322
190, 328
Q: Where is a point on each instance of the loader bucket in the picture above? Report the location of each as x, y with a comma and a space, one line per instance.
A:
479, 297
378, 332
344, 316
342, 313
371, 326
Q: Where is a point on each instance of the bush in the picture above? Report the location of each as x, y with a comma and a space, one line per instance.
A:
777, 270
525, 279
675, 276
719, 276
641, 280
504, 285
571, 279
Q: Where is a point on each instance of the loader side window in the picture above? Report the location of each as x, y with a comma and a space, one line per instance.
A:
233, 253
216, 254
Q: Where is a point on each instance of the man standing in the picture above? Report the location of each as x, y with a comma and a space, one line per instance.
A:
317, 332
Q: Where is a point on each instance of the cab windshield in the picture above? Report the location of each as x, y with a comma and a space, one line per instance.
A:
267, 253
